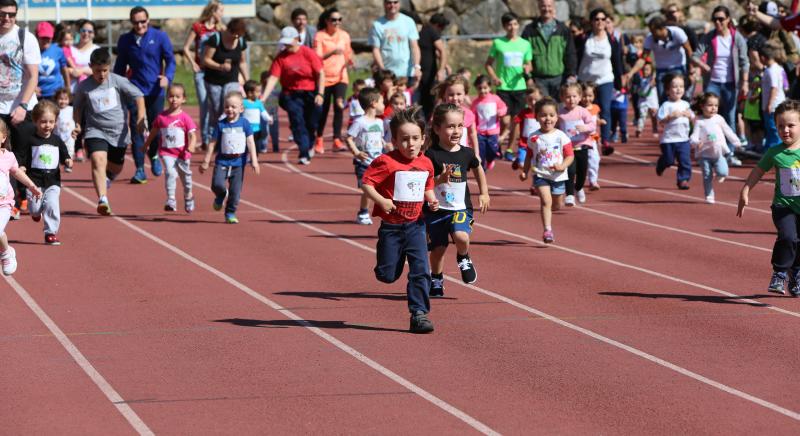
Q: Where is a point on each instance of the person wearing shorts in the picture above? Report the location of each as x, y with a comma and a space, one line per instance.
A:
556, 188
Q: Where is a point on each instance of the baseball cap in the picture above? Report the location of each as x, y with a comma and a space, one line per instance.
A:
45, 30
289, 36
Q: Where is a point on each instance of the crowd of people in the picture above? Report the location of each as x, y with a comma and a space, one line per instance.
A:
553, 98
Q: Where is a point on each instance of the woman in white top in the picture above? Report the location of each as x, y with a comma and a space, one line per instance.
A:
600, 62
82, 51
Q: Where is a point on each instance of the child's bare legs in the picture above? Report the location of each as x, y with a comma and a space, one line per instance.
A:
653, 120
546, 201
3, 243
99, 164
366, 203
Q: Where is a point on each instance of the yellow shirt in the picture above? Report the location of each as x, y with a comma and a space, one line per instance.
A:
335, 66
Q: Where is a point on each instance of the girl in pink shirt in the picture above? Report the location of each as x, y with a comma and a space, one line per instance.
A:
489, 109
710, 139
579, 124
454, 90
8, 168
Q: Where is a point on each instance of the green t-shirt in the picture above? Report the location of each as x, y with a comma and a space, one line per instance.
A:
509, 58
787, 175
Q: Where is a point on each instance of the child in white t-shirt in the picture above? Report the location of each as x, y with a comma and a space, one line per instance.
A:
675, 115
772, 93
365, 138
65, 124
708, 138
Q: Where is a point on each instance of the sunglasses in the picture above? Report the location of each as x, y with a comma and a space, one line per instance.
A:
136, 23
719, 19
336, 20
8, 15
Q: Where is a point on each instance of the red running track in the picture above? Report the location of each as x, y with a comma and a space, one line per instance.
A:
648, 315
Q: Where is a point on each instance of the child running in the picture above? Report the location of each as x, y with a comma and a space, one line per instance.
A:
708, 138
102, 99
354, 109
551, 150
527, 122
489, 110
65, 125
365, 140
399, 182
42, 156
397, 102
234, 138
453, 90
675, 115
579, 124
644, 86
451, 162
178, 140
10, 168
772, 93
255, 113
785, 158
587, 101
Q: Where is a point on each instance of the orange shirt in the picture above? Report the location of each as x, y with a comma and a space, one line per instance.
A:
335, 66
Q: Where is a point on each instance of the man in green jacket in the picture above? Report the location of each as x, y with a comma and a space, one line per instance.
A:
554, 57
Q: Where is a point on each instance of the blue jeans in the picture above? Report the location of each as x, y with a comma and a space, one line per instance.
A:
396, 243
727, 100
681, 151
215, 94
487, 145
202, 101
153, 106
303, 118
228, 180
605, 93
711, 166
619, 118
771, 137
661, 73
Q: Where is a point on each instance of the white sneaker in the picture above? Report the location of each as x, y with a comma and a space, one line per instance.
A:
304, 161
710, 199
721, 180
581, 196
364, 219
9, 261
569, 200
735, 162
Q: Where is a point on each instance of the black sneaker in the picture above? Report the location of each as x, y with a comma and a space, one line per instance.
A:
420, 323
778, 283
468, 273
794, 285
437, 287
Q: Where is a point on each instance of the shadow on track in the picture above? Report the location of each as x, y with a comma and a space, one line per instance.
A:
286, 323
696, 298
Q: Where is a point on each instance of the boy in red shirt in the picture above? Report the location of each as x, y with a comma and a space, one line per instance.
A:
399, 182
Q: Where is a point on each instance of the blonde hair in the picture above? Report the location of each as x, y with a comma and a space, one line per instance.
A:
453, 79
4, 130
208, 14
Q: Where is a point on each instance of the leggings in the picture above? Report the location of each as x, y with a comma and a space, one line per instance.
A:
577, 171
332, 93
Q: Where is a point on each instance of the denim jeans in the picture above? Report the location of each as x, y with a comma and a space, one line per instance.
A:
784, 252
153, 105
396, 243
680, 151
487, 145
603, 97
771, 137
228, 180
303, 118
709, 167
202, 101
215, 94
619, 118
727, 100
274, 128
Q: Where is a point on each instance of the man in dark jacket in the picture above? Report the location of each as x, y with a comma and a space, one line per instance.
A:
554, 57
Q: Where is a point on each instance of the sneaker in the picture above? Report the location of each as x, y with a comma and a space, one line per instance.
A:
468, 273
581, 195
15, 213
231, 218
489, 165
51, 240
139, 178
67, 170
735, 162
364, 219
794, 287
569, 200
548, 237
170, 206
624, 138
594, 186
607, 150
319, 146
509, 155
80, 155
683, 185
338, 145
777, 284
420, 323
103, 208
9, 261
36, 218
515, 165
721, 180
108, 183
188, 205
218, 203
710, 199
437, 287
155, 166
304, 161
659, 170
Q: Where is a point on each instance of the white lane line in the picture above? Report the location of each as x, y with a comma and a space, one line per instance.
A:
464, 417
579, 253
649, 357
111, 394
650, 163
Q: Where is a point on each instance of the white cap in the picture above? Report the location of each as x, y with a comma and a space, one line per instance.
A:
289, 36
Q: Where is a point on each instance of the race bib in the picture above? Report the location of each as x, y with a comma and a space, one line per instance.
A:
790, 181
253, 116
409, 186
451, 196
463, 141
44, 157
234, 141
571, 129
173, 137
487, 116
512, 59
104, 99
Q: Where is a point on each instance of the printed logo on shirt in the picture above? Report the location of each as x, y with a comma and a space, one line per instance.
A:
104, 99
234, 140
173, 137
44, 157
11, 65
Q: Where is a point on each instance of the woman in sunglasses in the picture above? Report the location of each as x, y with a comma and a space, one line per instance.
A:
82, 51
333, 47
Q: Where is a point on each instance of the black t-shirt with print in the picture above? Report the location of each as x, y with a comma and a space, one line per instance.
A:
42, 159
463, 160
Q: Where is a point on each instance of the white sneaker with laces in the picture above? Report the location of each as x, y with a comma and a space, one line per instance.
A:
710, 199
304, 161
9, 261
569, 201
364, 219
735, 162
581, 196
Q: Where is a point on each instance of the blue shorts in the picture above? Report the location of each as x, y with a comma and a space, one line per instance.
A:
442, 223
360, 168
556, 188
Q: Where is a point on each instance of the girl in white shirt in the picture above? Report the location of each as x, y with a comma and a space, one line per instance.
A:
675, 116
772, 93
709, 140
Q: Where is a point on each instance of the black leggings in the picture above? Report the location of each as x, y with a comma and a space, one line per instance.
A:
331, 94
577, 171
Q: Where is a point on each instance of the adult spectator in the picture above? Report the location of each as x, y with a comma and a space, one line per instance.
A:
147, 52
300, 22
302, 79
432, 59
209, 23
600, 61
81, 52
224, 63
674, 16
394, 41
333, 47
508, 65
554, 59
53, 71
726, 68
670, 48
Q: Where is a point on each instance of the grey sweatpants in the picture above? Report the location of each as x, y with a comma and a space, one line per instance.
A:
48, 207
174, 167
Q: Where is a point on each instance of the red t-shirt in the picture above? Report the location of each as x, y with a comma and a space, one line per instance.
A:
201, 35
791, 23
404, 181
297, 71
527, 122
